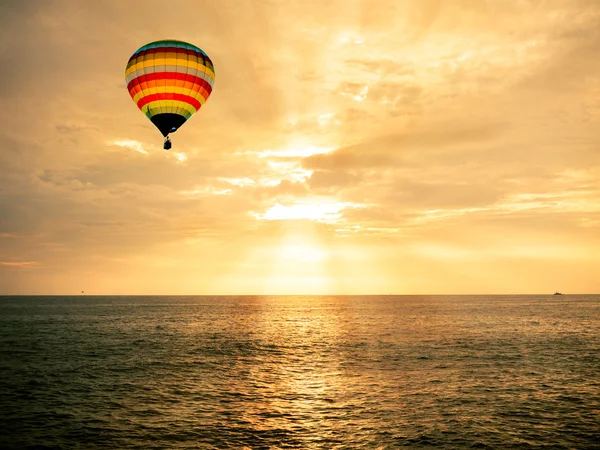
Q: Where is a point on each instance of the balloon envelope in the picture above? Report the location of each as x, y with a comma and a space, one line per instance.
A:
169, 81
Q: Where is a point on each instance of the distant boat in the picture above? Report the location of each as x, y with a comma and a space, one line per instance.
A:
557, 293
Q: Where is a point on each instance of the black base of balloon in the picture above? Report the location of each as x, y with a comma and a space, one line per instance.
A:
166, 122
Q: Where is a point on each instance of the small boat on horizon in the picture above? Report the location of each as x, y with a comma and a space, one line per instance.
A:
557, 293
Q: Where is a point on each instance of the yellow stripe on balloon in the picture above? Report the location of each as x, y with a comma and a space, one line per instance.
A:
159, 66
172, 106
177, 104
169, 106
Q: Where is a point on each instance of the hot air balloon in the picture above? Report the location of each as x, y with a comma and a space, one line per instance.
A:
169, 81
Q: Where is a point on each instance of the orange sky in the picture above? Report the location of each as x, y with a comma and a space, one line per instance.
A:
349, 147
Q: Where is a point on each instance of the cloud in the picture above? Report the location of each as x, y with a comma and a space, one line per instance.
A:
434, 131
20, 264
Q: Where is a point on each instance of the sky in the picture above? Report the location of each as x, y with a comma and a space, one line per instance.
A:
348, 147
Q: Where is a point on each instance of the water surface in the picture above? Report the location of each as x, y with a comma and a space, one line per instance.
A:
300, 372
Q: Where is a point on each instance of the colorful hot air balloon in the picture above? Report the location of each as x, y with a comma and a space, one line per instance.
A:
169, 81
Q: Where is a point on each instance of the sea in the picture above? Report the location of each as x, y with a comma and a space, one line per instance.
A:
304, 372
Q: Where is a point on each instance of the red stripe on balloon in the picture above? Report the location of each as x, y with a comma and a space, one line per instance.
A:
169, 76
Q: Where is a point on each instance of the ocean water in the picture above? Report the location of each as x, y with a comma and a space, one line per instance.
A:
261, 372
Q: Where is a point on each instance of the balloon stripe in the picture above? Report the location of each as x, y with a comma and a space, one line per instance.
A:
169, 96
177, 50
172, 45
188, 110
178, 78
181, 91
178, 86
167, 42
173, 63
199, 96
196, 92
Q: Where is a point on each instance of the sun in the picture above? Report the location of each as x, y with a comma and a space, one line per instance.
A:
293, 259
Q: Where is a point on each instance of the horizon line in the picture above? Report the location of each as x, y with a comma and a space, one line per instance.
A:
284, 295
